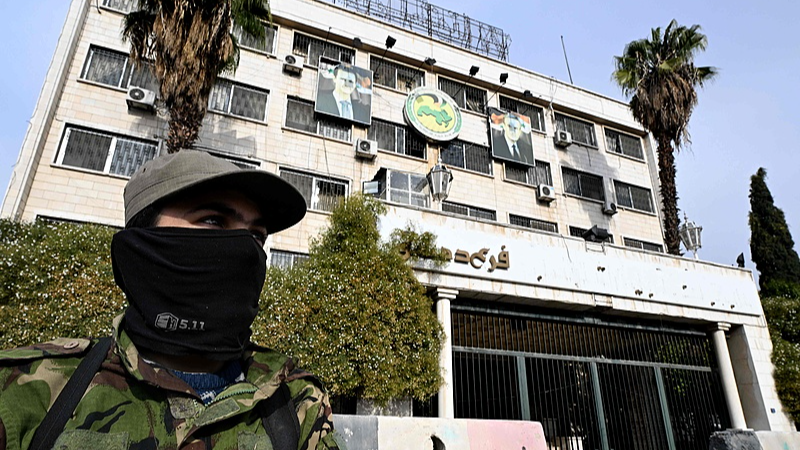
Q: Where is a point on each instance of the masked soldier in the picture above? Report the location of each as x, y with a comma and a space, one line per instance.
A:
180, 371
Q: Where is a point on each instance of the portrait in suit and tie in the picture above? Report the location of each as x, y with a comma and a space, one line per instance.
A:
345, 91
510, 135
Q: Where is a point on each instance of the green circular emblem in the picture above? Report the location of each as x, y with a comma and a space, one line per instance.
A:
433, 114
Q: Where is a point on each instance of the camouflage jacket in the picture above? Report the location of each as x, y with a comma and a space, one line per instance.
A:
131, 404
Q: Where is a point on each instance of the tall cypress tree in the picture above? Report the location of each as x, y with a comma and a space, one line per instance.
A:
771, 243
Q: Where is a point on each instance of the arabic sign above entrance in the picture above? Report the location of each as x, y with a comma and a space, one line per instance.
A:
433, 114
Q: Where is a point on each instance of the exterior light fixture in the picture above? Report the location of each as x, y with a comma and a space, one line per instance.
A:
690, 235
357, 42
527, 94
440, 179
390, 41
474, 70
503, 78
430, 61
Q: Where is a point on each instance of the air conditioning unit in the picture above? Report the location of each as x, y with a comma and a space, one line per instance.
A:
293, 64
609, 208
562, 138
141, 99
546, 193
366, 148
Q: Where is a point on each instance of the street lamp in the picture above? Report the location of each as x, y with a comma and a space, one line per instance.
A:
440, 179
690, 235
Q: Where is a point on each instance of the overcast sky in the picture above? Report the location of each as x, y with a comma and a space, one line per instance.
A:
748, 118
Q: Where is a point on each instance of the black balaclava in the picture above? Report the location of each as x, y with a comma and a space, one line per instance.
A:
191, 291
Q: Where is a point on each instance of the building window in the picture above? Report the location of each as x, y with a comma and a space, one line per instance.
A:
285, 260
247, 40
583, 184
467, 97
469, 211
395, 76
115, 69
634, 197
238, 100
125, 6
468, 156
540, 174
582, 132
402, 187
104, 152
396, 138
624, 144
312, 48
642, 245
534, 224
300, 116
578, 232
321, 193
534, 112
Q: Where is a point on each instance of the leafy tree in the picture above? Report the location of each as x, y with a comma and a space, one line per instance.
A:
189, 43
783, 316
354, 313
771, 243
659, 76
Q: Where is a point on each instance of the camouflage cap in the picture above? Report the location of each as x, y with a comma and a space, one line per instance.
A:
281, 204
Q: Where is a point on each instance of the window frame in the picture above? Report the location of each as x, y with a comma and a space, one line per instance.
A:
580, 174
446, 154
127, 75
546, 166
132, 4
384, 179
61, 151
312, 39
295, 258
629, 187
314, 203
618, 144
639, 244
318, 120
240, 30
589, 125
529, 106
382, 62
234, 86
408, 136
462, 93
531, 221
470, 211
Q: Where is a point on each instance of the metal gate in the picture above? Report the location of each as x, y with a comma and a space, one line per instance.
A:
592, 384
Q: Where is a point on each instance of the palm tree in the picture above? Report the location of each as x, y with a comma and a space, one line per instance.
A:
659, 76
189, 43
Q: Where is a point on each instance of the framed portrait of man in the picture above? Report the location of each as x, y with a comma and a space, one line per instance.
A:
344, 91
510, 135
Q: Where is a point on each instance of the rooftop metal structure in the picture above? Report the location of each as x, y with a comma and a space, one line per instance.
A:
438, 23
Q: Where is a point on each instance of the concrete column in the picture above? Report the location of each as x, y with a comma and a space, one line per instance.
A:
728, 379
443, 298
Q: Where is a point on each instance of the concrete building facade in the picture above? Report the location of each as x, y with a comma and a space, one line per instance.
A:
595, 333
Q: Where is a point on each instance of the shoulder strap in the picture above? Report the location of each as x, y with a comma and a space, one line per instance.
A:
53, 424
280, 419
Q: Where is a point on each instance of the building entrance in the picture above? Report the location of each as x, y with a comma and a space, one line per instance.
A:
591, 383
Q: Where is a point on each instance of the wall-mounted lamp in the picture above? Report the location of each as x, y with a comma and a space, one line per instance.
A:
357, 42
430, 61
690, 235
390, 41
474, 70
527, 94
503, 78
440, 180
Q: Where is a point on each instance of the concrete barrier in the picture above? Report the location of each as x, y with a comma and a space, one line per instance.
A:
418, 433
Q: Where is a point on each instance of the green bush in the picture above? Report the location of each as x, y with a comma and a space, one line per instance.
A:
56, 280
354, 313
